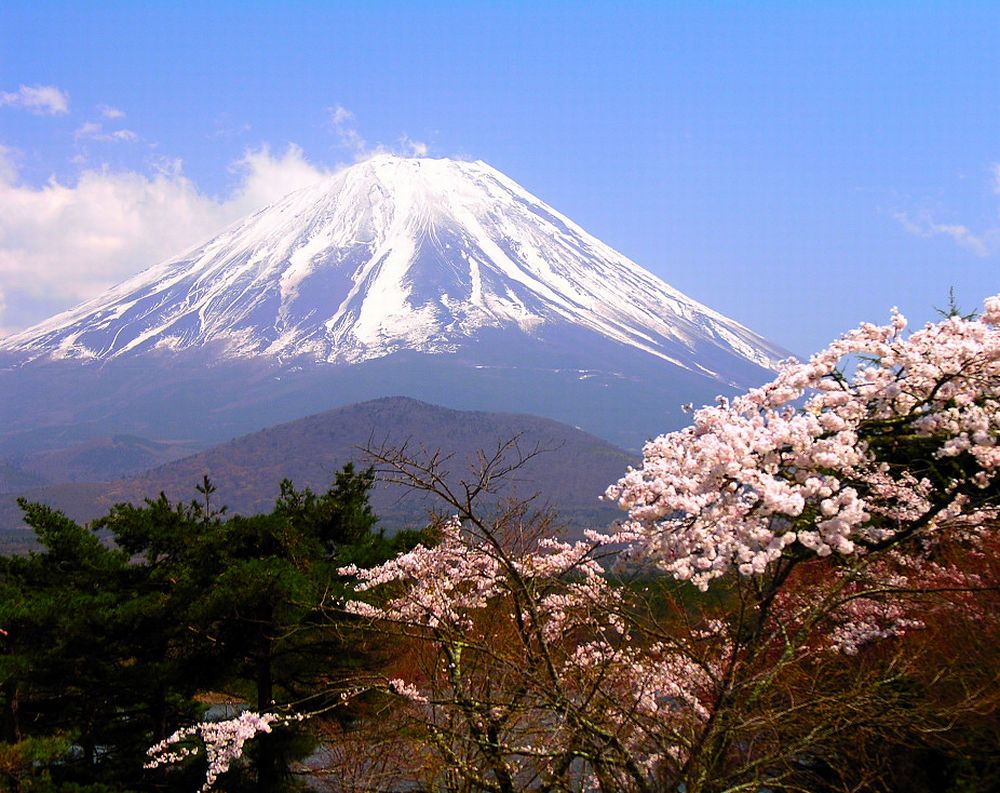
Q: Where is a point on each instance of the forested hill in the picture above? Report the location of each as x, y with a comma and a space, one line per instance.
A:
571, 474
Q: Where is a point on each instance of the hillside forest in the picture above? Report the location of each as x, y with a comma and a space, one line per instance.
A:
803, 595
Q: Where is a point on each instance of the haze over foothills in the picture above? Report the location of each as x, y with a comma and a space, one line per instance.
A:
797, 169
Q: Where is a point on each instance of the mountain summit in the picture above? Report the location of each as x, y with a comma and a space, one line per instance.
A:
395, 254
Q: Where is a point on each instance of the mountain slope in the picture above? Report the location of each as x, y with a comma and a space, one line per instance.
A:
570, 476
397, 254
441, 280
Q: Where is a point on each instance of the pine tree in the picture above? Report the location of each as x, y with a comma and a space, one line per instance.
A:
109, 642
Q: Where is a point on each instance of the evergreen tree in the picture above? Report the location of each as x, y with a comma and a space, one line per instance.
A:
107, 645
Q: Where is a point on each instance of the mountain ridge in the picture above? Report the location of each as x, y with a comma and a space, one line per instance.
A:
570, 475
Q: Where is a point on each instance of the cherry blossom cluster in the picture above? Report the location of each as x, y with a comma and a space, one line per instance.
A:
448, 582
819, 462
407, 690
223, 742
865, 620
654, 697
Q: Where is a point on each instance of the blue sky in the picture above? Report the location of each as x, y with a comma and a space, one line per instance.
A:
798, 168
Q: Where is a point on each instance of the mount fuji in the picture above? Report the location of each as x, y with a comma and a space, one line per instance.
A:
435, 278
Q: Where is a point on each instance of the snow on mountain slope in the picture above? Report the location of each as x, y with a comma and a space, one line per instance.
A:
395, 254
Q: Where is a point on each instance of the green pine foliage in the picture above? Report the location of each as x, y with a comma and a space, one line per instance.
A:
111, 632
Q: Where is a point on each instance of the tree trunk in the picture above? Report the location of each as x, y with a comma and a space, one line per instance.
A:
267, 759
11, 727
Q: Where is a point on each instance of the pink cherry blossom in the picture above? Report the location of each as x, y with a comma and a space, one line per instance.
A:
807, 462
223, 742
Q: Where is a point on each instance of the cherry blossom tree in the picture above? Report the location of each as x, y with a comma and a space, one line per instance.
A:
538, 678
825, 506
871, 477
759, 619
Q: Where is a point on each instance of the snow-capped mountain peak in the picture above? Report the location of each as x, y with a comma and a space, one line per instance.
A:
395, 254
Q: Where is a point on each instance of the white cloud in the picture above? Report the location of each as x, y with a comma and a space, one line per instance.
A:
110, 113
983, 243
980, 243
46, 100
342, 122
68, 242
415, 148
91, 130
8, 164
266, 178
87, 130
340, 115
226, 127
